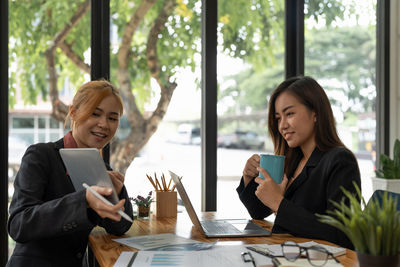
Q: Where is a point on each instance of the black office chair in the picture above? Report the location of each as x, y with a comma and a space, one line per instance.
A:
378, 195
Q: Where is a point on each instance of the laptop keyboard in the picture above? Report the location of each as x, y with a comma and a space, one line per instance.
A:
219, 227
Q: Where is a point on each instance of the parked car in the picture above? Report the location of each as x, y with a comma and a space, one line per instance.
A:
241, 139
187, 134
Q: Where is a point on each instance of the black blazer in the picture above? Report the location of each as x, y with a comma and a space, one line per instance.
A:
49, 221
310, 193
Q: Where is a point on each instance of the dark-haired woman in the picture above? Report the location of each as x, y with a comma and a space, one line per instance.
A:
317, 164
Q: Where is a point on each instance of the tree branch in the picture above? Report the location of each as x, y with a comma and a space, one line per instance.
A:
131, 109
130, 29
67, 49
60, 110
167, 88
80, 12
133, 113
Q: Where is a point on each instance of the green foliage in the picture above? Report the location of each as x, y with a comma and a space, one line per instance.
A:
33, 24
374, 229
251, 30
328, 10
176, 46
251, 88
330, 55
390, 168
254, 30
142, 201
346, 57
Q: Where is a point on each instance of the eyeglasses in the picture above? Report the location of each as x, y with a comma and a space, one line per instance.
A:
316, 255
247, 257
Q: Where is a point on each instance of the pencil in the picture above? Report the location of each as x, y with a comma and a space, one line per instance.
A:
169, 183
152, 182
157, 182
163, 182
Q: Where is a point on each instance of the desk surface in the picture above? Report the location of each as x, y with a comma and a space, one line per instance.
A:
107, 251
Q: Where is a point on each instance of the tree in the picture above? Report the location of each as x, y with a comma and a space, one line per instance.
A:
48, 39
344, 55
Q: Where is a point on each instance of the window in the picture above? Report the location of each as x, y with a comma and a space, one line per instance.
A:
42, 123
159, 60
54, 124
23, 123
250, 66
342, 56
33, 34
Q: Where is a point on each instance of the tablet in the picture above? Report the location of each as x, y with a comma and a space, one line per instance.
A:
85, 165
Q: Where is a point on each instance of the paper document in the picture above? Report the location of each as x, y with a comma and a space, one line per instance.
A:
125, 259
336, 251
164, 242
218, 256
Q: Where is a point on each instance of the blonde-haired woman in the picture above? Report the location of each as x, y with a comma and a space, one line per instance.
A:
49, 220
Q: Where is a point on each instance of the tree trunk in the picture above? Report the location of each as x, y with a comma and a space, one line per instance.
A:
141, 128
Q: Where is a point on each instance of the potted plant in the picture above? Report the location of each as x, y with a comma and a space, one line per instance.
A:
388, 176
374, 229
143, 204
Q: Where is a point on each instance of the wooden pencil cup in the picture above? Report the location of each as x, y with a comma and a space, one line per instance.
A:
166, 204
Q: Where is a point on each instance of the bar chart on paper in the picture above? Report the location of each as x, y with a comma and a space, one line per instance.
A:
223, 256
163, 259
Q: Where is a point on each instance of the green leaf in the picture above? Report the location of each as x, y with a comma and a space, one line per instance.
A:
373, 230
390, 168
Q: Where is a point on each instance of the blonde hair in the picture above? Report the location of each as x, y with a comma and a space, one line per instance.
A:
88, 97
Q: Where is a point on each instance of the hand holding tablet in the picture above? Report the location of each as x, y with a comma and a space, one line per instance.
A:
85, 165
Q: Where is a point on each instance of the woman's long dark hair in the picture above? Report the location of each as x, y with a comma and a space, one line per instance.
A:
310, 94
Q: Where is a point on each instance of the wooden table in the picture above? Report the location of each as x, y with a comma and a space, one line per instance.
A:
107, 251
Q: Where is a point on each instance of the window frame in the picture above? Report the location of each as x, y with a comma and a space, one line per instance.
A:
4, 131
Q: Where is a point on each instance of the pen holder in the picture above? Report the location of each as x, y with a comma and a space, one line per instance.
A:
166, 204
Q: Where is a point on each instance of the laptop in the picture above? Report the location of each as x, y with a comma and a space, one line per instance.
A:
85, 165
218, 228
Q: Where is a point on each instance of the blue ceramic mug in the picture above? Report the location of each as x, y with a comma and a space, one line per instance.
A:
273, 164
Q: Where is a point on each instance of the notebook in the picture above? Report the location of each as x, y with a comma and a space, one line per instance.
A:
218, 228
85, 165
